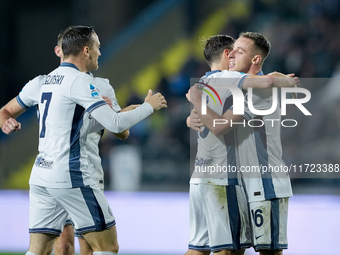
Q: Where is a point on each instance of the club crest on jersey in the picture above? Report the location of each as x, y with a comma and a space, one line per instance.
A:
93, 90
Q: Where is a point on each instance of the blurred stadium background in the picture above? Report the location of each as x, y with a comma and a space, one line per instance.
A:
157, 44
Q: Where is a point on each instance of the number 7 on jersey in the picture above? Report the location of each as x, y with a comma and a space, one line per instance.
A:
45, 97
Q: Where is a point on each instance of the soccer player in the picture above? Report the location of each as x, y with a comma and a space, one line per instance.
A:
64, 244
267, 192
218, 216
60, 183
218, 207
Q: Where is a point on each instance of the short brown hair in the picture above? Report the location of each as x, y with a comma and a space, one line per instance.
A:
261, 43
75, 38
215, 45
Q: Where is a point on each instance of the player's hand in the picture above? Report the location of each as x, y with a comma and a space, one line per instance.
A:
11, 125
157, 101
286, 82
108, 101
129, 108
296, 79
194, 122
194, 94
297, 83
281, 75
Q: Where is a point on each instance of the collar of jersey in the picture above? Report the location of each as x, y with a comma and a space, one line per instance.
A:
259, 73
211, 72
216, 71
69, 65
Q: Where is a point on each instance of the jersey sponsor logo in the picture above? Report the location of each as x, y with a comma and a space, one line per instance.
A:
54, 79
41, 162
93, 90
203, 162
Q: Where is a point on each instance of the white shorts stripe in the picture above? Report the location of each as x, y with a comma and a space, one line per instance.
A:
51, 208
269, 215
218, 218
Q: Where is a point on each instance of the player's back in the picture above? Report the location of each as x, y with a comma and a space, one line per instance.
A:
218, 152
63, 99
260, 151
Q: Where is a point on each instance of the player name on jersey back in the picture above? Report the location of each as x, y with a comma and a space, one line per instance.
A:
54, 80
62, 159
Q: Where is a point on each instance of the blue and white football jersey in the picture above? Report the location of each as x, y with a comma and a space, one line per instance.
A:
216, 155
62, 97
93, 139
260, 151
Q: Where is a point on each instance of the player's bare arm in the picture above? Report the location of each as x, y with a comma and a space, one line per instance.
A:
195, 96
194, 122
123, 135
108, 101
8, 113
270, 80
284, 81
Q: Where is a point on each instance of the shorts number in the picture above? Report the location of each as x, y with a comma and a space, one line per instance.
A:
258, 218
45, 97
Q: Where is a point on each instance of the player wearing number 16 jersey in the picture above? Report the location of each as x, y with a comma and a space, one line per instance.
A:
260, 146
269, 215
218, 206
62, 140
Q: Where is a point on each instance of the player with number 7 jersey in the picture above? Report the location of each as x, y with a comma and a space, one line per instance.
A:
60, 182
62, 98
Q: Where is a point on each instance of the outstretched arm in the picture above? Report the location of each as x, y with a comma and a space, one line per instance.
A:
284, 80
118, 122
125, 134
274, 79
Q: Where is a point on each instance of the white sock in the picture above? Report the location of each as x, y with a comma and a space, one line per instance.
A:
29, 253
101, 253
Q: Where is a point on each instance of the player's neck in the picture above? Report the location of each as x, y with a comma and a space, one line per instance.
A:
81, 65
254, 69
215, 67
